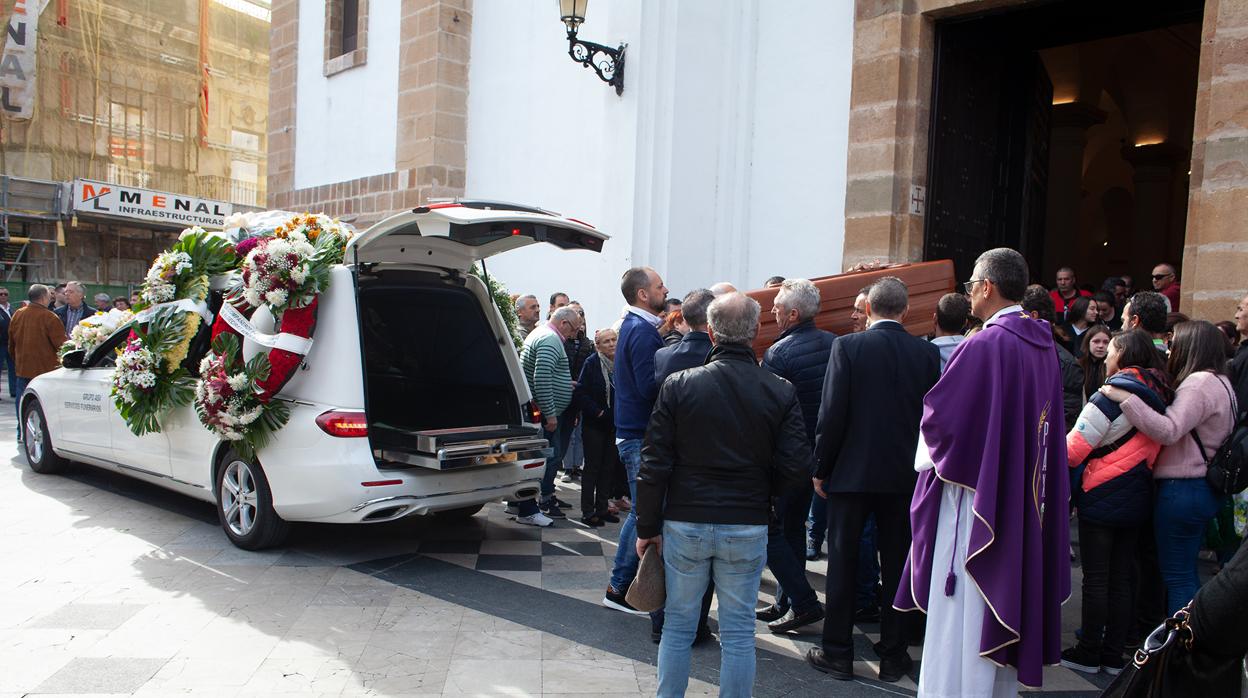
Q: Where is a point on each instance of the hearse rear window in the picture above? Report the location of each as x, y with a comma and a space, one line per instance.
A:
477, 234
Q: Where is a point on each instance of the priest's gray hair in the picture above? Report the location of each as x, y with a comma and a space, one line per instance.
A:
1006, 269
800, 295
889, 298
734, 319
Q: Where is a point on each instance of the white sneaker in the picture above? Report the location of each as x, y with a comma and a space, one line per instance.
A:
538, 519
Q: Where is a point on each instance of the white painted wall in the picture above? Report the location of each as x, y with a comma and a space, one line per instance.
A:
544, 131
346, 123
725, 158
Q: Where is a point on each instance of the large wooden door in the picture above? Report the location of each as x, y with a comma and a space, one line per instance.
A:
988, 149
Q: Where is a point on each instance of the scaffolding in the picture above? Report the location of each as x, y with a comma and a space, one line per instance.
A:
29, 200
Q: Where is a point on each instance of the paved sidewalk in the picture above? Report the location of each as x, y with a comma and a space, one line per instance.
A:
111, 586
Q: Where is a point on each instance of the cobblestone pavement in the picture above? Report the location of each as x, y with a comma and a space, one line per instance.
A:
110, 586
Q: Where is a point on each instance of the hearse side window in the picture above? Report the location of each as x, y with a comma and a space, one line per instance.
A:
105, 355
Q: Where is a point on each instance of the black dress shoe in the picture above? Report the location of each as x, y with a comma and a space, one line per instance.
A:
772, 612
609, 517
794, 620
839, 669
892, 670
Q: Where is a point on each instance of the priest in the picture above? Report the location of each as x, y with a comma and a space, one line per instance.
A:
989, 561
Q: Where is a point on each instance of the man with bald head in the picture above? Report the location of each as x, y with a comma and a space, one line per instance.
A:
1066, 292
722, 288
724, 441
1166, 282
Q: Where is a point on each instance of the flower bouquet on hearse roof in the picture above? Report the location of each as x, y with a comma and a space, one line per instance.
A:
149, 379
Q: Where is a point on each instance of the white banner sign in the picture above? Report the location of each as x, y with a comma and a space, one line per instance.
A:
101, 198
17, 63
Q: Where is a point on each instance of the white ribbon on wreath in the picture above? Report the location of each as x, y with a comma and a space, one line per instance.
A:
200, 308
282, 340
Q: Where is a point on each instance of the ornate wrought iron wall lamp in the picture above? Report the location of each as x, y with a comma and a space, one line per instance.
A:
607, 62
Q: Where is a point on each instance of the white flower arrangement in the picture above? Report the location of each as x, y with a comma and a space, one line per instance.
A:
136, 372
160, 284
93, 330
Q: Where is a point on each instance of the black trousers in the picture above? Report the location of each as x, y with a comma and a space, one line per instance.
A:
786, 551
846, 514
1108, 556
1148, 590
601, 460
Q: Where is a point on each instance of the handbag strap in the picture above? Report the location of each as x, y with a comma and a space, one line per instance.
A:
1196, 437
1176, 627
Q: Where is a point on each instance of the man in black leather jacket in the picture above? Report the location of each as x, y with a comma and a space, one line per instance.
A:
722, 441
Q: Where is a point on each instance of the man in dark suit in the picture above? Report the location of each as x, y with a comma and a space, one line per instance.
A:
866, 438
693, 349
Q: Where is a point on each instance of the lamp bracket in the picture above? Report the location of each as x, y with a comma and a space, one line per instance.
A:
607, 62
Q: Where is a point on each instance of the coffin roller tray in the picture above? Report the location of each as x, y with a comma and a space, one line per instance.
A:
447, 449
926, 281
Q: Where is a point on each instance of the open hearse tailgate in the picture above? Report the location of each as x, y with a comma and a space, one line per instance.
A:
463, 447
456, 235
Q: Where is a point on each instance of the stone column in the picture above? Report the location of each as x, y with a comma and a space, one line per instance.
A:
433, 99
1154, 167
1215, 252
1067, 140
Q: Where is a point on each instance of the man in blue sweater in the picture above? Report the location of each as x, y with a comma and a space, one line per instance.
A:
635, 393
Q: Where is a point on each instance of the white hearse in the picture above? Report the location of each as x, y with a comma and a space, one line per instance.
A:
410, 401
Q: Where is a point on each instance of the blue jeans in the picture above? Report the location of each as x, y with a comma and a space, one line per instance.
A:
1184, 508
818, 521
529, 506
865, 595
626, 560
693, 554
574, 454
21, 388
786, 553
9, 369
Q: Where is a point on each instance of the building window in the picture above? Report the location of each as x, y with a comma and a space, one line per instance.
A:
346, 35
350, 24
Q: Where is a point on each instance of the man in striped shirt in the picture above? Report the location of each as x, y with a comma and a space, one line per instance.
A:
545, 365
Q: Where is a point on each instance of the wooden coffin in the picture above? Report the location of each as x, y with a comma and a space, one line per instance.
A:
927, 281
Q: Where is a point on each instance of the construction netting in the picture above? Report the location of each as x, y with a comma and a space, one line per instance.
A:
169, 95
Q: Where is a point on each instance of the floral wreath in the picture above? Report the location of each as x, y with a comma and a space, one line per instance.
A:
228, 400
149, 379
91, 331
285, 270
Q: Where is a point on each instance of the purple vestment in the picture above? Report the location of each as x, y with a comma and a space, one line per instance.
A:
993, 425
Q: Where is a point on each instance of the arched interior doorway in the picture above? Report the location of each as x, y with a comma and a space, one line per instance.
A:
1064, 130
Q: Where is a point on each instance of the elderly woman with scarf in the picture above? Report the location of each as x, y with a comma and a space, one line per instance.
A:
593, 396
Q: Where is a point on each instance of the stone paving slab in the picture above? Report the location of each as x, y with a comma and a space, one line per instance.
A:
116, 587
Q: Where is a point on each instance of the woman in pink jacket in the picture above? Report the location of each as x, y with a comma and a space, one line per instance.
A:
1203, 413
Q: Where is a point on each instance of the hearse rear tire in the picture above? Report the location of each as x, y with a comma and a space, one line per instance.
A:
460, 513
37, 442
245, 504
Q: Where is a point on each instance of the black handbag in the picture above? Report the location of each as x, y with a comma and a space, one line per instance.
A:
1171, 663
1227, 471
1161, 667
